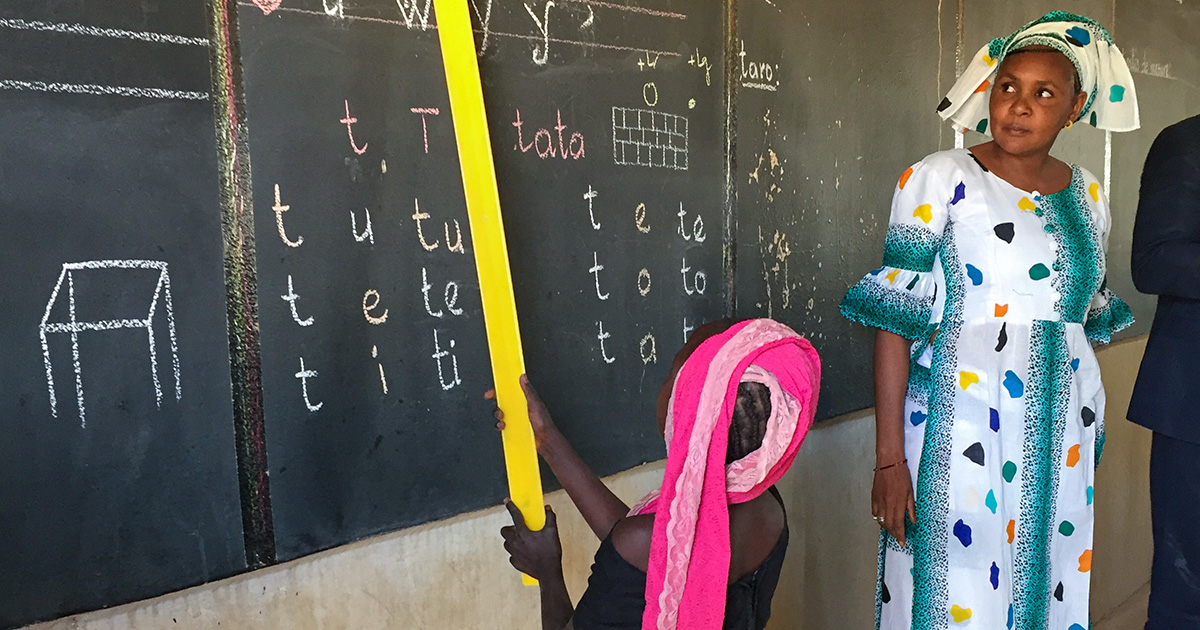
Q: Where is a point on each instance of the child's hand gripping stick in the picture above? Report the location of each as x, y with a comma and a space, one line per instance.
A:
491, 256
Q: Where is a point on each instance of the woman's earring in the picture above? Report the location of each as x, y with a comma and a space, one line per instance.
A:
1070, 123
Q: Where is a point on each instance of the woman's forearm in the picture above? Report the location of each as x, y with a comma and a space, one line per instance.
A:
891, 387
598, 505
556, 602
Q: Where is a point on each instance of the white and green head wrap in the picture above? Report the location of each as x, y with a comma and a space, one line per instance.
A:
1102, 71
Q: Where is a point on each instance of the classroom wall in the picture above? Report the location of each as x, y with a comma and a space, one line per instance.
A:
454, 574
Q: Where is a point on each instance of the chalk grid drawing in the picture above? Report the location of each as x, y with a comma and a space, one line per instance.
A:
73, 327
643, 137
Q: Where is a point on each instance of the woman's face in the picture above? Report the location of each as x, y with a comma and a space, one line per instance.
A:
1032, 99
698, 337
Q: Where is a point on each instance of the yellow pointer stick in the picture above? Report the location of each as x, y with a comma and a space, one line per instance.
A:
491, 256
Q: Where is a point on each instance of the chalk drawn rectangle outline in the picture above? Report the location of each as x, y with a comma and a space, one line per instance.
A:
654, 140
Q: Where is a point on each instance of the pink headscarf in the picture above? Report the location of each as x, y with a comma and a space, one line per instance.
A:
698, 487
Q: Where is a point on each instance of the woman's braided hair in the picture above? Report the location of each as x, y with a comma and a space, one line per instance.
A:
749, 425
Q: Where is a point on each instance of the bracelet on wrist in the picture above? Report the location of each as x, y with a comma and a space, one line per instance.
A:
899, 463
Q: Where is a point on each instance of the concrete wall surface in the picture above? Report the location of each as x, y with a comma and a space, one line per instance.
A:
454, 574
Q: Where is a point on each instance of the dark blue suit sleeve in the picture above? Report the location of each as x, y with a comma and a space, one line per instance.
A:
1166, 235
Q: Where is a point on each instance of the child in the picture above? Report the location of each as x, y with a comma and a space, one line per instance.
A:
705, 551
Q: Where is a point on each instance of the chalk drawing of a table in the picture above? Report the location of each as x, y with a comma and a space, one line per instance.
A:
73, 327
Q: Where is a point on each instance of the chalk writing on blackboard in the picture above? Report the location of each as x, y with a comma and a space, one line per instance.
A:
595, 270
572, 148
290, 297
650, 94
543, 26
642, 137
648, 348
279, 209
643, 282
423, 111
590, 195
382, 378
602, 336
304, 375
758, 75
697, 229
370, 302
72, 326
438, 355
349, 122
367, 234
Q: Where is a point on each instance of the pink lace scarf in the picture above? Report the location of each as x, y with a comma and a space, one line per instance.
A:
698, 487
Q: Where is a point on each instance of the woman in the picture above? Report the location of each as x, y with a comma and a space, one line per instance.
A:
988, 395
705, 551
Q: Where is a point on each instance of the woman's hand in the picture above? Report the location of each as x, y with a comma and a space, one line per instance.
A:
539, 416
892, 498
536, 554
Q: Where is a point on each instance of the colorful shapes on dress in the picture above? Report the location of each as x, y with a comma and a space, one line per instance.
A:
1002, 339
1009, 471
982, 126
891, 277
1094, 191
1085, 561
1005, 232
962, 532
994, 422
1001, 310
1089, 416
989, 60
967, 379
944, 104
924, 212
959, 614
974, 453
994, 576
1039, 272
1014, 385
1011, 530
1093, 119
1076, 626
1081, 36
1075, 367
982, 87
1072, 456
912, 283
904, 177
885, 596
1091, 492
1116, 93
1027, 204
917, 417
974, 274
1058, 592
1010, 617
960, 193
990, 501
1066, 528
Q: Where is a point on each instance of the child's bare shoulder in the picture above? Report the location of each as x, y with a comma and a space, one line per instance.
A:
631, 538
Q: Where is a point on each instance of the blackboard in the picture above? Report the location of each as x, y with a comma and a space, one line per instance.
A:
824, 125
607, 130
116, 441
